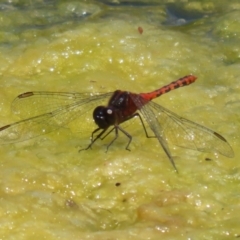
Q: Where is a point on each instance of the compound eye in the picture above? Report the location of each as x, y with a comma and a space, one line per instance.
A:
103, 117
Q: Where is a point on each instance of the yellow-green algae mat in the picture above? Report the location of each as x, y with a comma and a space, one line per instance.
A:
49, 190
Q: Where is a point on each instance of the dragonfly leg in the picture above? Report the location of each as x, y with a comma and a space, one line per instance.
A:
93, 140
116, 136
107, 133
117, 127
129, 137
143, 125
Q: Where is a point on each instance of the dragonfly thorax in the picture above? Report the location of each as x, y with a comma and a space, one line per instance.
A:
104, 116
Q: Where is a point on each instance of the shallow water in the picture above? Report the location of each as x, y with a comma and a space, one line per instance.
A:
50, 191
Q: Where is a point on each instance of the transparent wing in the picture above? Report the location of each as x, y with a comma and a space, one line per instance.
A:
45, 112
154, 124
187, 134
31, 104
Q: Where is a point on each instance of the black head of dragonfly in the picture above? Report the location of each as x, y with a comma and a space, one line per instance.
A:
104, 117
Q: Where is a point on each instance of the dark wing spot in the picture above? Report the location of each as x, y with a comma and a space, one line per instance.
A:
4, 127
219, 136
26, 94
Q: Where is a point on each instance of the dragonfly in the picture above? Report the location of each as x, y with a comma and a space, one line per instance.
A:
44, 112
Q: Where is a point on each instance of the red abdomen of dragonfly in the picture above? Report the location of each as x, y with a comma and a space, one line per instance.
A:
181, 82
